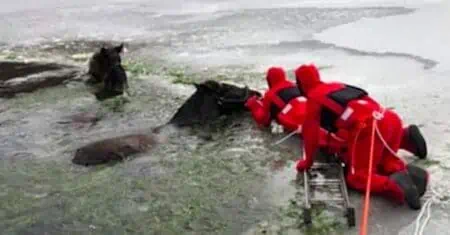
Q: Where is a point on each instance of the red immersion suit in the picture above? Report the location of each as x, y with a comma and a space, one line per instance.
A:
338, 107
284, 103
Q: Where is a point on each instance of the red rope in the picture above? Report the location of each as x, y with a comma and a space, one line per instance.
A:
365, 218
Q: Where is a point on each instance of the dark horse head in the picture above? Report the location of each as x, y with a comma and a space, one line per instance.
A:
210, 101
105, 66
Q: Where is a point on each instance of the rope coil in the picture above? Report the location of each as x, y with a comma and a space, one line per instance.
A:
435, 198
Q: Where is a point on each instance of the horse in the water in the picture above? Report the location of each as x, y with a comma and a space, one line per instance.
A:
105, 66
210, 101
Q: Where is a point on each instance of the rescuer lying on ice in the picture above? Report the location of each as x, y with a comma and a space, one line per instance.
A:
284, 103
341, 108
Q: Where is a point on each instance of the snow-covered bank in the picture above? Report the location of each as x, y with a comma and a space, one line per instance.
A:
423, 33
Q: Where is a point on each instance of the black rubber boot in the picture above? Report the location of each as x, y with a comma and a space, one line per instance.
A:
416, 138
404, 181
420, 178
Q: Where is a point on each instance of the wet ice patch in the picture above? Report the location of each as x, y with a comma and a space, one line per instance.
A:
281, 186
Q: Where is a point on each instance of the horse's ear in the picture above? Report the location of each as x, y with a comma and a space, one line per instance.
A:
119, 48
103, 51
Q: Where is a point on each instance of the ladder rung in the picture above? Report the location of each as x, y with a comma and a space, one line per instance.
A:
326, 181
340, 199
337, 189
330, 186
321, 165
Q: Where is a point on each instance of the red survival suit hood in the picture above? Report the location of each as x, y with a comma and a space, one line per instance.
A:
307, 77
275, 76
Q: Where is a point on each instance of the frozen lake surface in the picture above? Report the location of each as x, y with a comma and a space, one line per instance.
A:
397, 50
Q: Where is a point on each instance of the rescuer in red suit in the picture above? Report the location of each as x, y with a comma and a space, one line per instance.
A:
284, 103
339, 107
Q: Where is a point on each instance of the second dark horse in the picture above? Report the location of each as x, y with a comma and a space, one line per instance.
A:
105, 66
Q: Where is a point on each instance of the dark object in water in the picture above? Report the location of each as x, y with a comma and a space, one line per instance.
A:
14, 69
105, 66
210, 101
113, 150
20, 77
